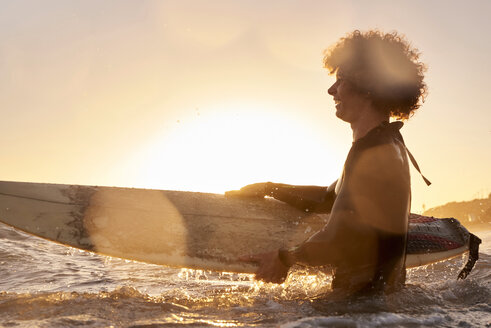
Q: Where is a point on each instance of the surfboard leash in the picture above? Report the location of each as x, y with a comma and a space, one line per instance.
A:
474, 242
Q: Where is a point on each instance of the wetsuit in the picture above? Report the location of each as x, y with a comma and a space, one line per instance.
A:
365, 237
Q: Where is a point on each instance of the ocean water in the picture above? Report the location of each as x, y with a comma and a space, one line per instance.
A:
43, 284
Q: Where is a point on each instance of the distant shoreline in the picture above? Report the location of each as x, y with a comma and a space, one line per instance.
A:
477, 226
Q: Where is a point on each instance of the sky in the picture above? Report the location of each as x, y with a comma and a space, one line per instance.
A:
213, 95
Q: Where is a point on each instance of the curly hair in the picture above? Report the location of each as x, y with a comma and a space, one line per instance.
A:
382, 66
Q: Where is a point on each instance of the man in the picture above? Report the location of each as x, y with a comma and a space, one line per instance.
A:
378, 77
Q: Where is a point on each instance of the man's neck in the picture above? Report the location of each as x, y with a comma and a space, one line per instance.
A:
366, 123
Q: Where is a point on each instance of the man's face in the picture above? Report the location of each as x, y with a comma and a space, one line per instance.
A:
348, 101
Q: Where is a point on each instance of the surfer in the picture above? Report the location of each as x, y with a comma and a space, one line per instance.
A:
378, 77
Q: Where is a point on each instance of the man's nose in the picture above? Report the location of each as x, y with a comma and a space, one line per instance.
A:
332, 90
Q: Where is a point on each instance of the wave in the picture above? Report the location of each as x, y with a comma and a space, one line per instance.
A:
45, 284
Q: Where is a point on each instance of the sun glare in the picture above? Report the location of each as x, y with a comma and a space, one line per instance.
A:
229, 149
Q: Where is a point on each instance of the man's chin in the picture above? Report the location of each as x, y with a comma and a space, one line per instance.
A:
339, 114
342, 116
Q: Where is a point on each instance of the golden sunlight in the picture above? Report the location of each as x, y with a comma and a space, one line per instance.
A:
228, 149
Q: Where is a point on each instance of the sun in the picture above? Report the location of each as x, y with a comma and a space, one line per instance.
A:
231, 148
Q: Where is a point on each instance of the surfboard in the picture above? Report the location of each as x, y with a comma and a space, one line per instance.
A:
188, 229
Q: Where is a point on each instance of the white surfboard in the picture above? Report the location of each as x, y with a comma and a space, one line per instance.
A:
187, 229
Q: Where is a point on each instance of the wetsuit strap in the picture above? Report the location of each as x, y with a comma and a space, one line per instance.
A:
416, 166
396, 126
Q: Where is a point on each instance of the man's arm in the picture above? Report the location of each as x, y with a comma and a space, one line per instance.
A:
306, 198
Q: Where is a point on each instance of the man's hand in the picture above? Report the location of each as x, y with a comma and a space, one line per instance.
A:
255, 190
271, 269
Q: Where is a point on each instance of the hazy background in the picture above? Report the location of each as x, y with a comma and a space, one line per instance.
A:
212, 95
